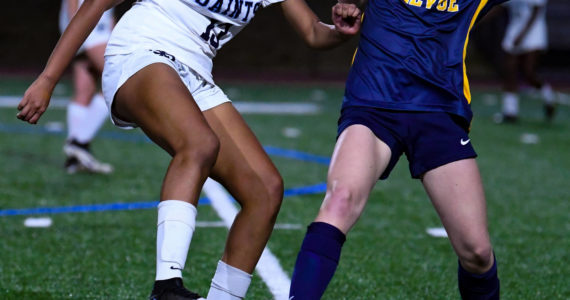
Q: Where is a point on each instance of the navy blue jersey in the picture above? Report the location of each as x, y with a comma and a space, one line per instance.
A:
411, 56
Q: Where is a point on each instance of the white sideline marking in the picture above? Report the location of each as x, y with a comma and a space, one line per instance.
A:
38, 222
12, 101
268, 266
291, 132
216, 224
437, 232
276, 108
529, 138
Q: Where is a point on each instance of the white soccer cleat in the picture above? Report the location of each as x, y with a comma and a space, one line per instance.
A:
84, 160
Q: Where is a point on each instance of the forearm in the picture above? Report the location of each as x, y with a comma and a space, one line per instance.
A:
315, 33
325, 36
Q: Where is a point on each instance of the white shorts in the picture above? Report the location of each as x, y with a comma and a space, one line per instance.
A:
536, 37
100, 34
119, 68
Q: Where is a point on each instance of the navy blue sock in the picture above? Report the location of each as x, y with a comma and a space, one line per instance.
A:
316, 262
479, 286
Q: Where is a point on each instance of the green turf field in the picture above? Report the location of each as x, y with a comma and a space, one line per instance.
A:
388, 255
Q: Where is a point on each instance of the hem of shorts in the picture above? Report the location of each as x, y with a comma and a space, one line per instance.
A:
122, 79
439, 163
525, 50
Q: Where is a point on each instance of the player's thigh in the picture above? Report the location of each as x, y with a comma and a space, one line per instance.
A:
84, 85
456, 192
358, 160
242, 165
156, 99
96, 56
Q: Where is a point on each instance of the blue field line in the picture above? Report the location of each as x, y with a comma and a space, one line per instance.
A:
139, 138
298, 155
306, 190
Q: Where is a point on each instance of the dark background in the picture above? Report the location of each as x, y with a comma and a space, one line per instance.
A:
268, 48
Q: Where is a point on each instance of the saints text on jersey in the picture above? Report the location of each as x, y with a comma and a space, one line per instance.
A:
442, 5
231, 8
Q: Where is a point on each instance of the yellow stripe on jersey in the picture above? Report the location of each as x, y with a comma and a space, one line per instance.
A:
354, 56
355, 51
466, 90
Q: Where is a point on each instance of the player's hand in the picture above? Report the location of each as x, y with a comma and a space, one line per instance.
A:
36, 100
346, 18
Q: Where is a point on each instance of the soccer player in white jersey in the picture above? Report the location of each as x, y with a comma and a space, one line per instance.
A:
157, 76
87, 110
525, 38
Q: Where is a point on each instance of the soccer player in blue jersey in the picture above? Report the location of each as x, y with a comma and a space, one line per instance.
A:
407, 92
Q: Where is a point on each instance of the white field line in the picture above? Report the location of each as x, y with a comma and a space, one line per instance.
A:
217, 224
276, 108
268, 266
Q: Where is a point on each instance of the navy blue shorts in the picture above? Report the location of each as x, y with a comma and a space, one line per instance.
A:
429, 139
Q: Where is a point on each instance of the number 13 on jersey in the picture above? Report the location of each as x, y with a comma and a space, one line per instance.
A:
210, 35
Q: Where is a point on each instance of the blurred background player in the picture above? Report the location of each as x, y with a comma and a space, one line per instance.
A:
525, 38
87, 110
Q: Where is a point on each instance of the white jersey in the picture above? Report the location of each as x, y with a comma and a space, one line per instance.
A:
520, 12
100, 34
192, 31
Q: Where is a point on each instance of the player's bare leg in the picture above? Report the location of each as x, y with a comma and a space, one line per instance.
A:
358, 160
247, 172
85, 115
85, 85
156, 100
529, 63
96, 56
510, 98
456, 192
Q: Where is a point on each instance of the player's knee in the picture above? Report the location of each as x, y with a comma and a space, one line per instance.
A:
201, 153
341, 204
477, 259
274, 186
268, 199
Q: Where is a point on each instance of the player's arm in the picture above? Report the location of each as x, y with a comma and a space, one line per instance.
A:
534, 15
316, 33
37, 96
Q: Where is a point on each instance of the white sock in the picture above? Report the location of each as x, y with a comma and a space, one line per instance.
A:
547, 94
176, 223
75, 115
510, 104
84, 122
229, 283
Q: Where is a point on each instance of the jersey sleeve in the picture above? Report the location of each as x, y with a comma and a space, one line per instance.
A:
266, 3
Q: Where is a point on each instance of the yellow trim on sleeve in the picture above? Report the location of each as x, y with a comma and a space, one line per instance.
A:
466, 90
355, 51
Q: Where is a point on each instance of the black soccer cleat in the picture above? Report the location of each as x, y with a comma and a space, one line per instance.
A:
79, 158
172, 289
549, 110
